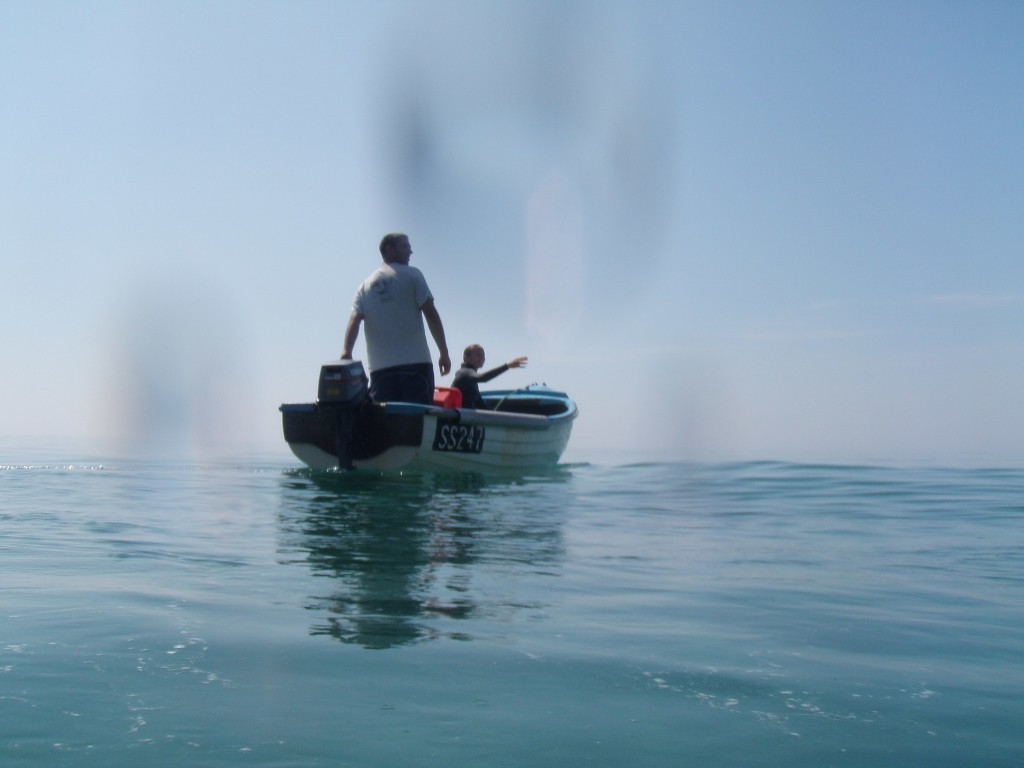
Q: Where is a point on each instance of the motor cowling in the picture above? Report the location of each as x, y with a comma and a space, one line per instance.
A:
342, 382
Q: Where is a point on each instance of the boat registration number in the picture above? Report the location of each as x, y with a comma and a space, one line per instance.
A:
460, 438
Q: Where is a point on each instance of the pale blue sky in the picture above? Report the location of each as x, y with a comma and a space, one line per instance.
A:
730, 230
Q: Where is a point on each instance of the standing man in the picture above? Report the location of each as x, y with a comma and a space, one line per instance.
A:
393, 301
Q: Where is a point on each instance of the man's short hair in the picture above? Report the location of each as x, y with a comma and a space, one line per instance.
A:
388, 242
471, 348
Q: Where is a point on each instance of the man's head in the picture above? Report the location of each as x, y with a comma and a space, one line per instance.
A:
473, 356
395, 248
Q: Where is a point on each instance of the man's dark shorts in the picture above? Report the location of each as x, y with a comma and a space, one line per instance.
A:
403, 383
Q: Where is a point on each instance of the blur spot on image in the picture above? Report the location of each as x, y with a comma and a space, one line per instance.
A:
538, 145
179, 381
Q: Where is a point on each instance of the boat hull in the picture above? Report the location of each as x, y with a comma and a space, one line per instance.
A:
530, 429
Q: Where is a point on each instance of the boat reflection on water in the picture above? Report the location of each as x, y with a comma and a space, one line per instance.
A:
416, 557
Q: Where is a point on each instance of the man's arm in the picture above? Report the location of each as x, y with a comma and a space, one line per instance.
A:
518, 362
351, 334
444, 363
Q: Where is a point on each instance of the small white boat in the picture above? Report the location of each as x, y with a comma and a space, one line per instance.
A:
518, 429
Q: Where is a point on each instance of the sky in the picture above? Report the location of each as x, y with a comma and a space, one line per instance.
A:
730, 230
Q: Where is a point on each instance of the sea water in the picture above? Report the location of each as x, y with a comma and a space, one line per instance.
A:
251, 612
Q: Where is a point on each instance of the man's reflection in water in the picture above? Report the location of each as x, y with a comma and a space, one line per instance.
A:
403, 553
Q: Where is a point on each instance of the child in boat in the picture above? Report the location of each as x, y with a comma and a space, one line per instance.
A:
468, 377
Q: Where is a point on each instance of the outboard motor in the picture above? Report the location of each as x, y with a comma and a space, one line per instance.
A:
342, 390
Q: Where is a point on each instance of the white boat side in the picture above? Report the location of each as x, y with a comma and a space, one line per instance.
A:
464, 439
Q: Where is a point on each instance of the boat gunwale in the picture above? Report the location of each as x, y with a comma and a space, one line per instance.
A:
482, 416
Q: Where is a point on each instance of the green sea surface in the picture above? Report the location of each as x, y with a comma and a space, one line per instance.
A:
230, 613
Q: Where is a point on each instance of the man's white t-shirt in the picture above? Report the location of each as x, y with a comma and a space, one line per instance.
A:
389, 301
